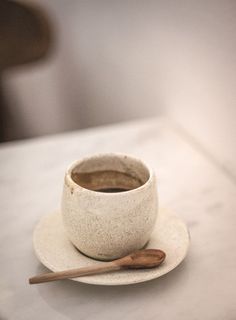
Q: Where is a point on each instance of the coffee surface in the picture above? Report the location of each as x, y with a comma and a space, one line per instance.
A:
108, 181
112, 190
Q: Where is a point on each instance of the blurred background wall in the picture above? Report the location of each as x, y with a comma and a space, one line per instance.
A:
119, 60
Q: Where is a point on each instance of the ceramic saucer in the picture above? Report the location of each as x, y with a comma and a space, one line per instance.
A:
57, 253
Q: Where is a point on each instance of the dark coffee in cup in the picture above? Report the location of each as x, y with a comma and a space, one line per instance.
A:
109, 181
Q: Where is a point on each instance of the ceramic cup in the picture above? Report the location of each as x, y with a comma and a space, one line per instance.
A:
109, 205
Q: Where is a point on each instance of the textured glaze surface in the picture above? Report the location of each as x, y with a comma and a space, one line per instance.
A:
107, 226
56, 252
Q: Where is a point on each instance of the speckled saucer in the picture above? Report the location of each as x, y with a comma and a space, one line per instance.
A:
57, 253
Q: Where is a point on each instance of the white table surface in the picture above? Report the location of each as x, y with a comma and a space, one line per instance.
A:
202, 287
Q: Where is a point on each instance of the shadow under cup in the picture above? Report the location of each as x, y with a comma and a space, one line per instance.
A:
109, 205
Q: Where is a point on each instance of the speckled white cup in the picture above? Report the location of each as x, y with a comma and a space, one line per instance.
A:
107, 226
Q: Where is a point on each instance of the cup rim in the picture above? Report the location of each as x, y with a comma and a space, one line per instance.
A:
71, 183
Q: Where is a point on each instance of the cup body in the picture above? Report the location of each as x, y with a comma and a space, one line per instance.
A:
109, 225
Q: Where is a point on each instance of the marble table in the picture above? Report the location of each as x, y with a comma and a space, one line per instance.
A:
190, 183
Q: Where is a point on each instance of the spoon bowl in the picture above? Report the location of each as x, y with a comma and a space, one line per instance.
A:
142, 259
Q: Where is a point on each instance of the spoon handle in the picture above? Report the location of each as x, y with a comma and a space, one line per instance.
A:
73, 273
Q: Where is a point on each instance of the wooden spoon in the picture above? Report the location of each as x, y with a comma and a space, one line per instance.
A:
142, 259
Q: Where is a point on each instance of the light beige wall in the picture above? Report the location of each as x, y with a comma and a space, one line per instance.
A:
119, 60
199, 76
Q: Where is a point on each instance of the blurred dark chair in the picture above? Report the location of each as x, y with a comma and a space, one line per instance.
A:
25, 37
